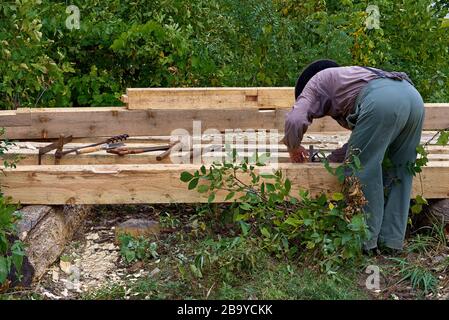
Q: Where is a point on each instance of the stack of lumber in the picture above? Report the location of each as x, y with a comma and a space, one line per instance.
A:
150, 117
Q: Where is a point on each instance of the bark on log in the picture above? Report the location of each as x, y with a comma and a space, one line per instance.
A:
440, 210
46, 230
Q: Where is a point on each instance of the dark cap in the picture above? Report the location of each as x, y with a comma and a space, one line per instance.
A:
311, 70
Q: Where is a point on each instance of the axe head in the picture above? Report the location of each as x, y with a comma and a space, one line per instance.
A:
114, 145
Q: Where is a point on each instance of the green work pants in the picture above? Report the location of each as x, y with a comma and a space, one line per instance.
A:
387, 119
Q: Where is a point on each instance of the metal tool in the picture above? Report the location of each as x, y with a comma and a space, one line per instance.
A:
124, 151
111, 140
316, 155
58, 145
63, 140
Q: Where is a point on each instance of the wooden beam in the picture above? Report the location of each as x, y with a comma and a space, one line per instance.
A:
102, 158
28, 152
205, 98
49, 123
30, 157
213, 98
99, 122
160, 183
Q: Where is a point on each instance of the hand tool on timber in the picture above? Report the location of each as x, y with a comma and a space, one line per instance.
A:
316, 155
111, 140
124, 150
58, 145
167, 152
101, 147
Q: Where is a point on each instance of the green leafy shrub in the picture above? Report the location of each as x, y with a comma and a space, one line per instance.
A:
137, 249
168, 43
329, 230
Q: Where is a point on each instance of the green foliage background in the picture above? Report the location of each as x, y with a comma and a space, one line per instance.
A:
152, 43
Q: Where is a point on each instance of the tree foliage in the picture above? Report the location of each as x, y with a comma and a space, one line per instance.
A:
163, 43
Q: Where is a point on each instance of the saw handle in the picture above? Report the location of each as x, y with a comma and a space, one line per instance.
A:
89, 150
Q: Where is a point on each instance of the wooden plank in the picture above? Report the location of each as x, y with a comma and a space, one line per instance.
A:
216, 98
323, 138
192, 98
159, 183
241, 144
437, 149
204, 98
102, 158
28, 153
96, 122
279, 154
49, 123
328, 139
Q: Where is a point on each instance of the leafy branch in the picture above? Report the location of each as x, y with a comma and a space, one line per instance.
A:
331, 229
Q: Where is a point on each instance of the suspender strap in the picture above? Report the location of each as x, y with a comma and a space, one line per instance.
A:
376, 72
399, 76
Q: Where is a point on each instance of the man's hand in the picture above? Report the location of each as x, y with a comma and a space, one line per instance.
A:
299, 155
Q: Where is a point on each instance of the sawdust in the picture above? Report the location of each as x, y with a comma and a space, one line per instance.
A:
90, 261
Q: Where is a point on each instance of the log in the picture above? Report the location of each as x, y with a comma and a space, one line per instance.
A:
160, 183
439, 210
46, 230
